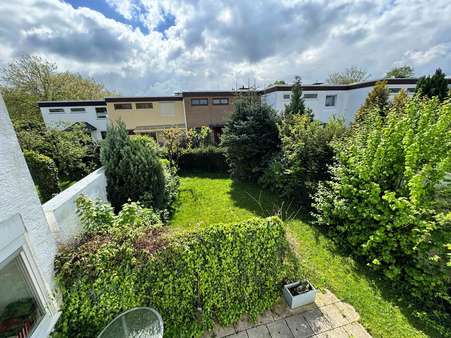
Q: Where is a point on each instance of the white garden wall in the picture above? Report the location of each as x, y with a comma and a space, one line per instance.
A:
61, 210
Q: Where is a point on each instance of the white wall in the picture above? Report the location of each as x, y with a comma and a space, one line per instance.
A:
346, 105
61, 211
66, 119
22, 219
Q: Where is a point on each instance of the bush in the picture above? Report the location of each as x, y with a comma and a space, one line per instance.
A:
44, 173
250, 138
135, 171
217, 273
305, 156
381, 200
203, 159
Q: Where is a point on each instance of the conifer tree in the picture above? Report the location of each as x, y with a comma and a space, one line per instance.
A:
297, 105
435, 85
376, 99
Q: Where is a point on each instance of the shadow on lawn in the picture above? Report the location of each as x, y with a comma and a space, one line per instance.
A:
264, 203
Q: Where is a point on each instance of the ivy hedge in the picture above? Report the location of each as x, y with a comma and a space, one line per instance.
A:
215, 274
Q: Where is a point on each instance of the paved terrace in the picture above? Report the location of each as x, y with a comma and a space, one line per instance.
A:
328, 317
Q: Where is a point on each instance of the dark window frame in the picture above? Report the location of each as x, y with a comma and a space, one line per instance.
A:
123, 106
78, 110
220, 99
286, 96
144, 105
310, 96
57, 110
198, 102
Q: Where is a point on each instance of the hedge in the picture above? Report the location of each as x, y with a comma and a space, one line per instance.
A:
203, 159
44, 173
214, 274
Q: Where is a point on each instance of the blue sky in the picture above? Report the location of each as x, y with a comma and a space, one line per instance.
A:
154, 47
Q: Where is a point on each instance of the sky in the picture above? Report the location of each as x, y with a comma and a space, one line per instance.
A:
158, 47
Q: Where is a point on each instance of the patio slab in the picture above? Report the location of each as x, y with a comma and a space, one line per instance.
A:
328, 317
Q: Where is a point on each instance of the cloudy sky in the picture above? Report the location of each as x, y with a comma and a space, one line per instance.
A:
154, 47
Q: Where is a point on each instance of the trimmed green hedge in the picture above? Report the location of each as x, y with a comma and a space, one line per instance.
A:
44, 172
206, 159
218, 273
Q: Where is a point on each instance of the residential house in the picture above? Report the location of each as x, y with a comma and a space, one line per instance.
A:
147, 115
62, 115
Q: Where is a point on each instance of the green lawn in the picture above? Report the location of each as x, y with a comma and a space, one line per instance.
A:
206, 199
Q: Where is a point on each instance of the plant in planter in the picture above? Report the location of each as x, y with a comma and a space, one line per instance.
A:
299, 293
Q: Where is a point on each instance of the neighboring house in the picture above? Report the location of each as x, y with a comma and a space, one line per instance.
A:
208, 108
326, 100
147, 115
64, 114
27, 247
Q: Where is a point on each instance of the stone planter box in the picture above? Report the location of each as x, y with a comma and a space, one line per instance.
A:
294, 301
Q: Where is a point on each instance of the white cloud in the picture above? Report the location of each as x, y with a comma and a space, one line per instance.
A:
218, 44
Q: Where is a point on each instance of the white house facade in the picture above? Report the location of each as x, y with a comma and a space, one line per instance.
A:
326, 100
64, 114
28, 307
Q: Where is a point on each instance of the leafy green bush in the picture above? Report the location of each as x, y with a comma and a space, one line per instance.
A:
135, 171
250, 138
305, 156
44, 173
381, 200
74, 152
217, 273
206, 158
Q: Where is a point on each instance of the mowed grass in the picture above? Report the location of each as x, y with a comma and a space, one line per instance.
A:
208, 199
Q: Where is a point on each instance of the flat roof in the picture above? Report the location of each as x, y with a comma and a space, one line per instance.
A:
71, 103
143, 98
356, 85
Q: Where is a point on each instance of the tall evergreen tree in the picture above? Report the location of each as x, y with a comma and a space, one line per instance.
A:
435, 85
376, 99
297, 106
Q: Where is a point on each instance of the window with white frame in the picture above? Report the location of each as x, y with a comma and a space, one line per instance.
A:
199, 102
310, 96
20, 307
56, 110
394, 90
220, 101
331, 100
78, 110
101, 112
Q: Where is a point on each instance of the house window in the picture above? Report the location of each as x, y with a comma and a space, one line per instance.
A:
394, 90
224, 101
199, 102
103, 134
411, 90
101, 112
56, 110
144, 105
20, 307
119, 106
310, 96
286, 96
330, 100
77, 110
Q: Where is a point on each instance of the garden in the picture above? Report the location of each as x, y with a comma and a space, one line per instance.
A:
208, 234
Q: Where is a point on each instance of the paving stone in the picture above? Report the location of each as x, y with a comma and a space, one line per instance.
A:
317, 321
334, 315
220, 331
280, 309
242, 334
243, 324
335, 333
258, 332
357, 331
265, 318
299, 326
348, 311
279, 329
325, 298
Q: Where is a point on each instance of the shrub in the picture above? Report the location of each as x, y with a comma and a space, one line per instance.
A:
217, 273
135, 171
206, 158
381, 200
433, 86
250, 138
305, 156
44, 173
